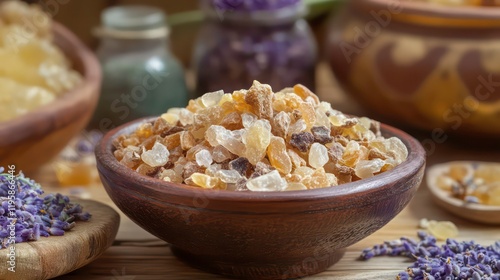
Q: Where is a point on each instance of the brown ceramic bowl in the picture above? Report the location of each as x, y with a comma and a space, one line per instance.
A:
429, 66
32, 139
257, 235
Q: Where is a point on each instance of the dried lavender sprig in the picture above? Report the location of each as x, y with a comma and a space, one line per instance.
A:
30, 214
450, 261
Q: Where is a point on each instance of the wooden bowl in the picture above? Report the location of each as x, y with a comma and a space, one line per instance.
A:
257, 235
32, 139
428, 66
486, 214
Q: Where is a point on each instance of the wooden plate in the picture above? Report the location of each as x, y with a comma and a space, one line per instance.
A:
475, 212
57, 255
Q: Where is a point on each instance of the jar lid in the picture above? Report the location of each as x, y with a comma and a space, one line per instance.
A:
132, 22
263, 11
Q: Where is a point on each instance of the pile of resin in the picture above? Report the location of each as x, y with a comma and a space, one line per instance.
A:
33, 71
260, 141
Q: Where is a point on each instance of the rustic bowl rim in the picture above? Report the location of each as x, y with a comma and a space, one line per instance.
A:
28, 125
105, 159
435, 11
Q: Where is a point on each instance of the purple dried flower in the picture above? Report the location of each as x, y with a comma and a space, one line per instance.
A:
450, 261
29, 214
56, 231
403, 276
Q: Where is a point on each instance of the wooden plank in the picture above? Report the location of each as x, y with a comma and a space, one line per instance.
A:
56, 255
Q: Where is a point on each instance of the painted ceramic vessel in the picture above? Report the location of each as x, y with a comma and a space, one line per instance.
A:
429, 66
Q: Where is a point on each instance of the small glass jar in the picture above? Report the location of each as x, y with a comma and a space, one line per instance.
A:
267, 41
140, 75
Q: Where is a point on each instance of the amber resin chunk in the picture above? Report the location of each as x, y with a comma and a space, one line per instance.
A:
258, 140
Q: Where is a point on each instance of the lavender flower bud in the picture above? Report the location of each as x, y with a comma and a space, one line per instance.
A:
56, 231
34, 216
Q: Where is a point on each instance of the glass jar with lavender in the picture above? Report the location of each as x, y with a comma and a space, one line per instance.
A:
141, 77
246, 40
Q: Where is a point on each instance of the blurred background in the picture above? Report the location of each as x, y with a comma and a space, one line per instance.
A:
184, 17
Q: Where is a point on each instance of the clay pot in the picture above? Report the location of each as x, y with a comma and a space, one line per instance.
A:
428, 66
260, 235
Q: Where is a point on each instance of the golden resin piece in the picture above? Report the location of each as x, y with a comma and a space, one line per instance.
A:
442, 230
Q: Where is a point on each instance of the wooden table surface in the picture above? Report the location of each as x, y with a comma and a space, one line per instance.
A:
138, 255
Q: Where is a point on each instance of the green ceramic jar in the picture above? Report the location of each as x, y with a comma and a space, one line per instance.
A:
140, 76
